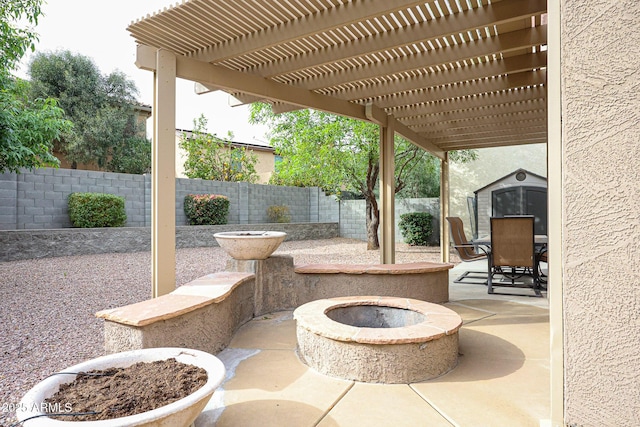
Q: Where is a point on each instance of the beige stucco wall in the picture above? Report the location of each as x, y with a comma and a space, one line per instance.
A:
601, 202
491, 165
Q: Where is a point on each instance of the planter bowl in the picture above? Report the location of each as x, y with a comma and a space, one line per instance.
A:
182, 412
244, 245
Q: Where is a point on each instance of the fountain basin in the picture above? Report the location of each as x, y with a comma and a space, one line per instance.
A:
246, 245
378, 339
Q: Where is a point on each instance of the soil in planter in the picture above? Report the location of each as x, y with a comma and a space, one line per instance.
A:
120, 392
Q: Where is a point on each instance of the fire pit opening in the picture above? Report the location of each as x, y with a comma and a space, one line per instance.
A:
375, 316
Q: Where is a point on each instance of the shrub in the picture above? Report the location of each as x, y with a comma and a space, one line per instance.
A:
416, 228
278, 214
91, 210
206, 209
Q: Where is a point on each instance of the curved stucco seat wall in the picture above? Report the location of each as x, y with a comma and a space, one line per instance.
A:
205, 313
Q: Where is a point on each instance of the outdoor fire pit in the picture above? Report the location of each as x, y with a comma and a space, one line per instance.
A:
244, 245
384, 339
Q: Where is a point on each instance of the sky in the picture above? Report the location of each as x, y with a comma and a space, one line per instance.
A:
97, 29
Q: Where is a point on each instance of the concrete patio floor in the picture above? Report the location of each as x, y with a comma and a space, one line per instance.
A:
502, 376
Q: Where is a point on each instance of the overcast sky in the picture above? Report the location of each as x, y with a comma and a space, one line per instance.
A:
97, 29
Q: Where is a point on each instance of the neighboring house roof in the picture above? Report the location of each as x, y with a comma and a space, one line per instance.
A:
509, 175
237, 144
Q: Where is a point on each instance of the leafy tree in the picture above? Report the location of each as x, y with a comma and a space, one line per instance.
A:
424, 179
16, 39
336, 154
100, 106
209, 157
27, 127
131, 157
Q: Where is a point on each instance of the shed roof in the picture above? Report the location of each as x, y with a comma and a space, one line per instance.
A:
510, 175
451, 74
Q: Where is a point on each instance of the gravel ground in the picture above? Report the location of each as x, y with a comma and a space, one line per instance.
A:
47, 307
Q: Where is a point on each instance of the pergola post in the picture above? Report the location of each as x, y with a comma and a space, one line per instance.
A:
444, 208
387, 194
163, 181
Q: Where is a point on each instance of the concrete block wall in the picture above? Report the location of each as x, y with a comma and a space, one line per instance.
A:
352, 217
38, 199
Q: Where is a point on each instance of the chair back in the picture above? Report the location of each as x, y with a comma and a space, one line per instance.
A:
466, 253
513, 241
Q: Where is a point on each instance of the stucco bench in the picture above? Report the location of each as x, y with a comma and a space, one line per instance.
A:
425, 281
202, 314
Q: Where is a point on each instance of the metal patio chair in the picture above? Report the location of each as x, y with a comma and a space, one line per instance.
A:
467, 252
513, 254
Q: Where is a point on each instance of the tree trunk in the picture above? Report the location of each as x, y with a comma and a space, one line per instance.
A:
373, 221
373, 214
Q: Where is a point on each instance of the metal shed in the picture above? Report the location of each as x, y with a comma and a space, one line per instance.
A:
519, 193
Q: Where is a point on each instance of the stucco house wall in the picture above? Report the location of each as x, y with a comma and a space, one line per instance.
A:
600, 152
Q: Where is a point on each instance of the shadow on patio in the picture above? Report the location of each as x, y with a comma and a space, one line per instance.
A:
502, 377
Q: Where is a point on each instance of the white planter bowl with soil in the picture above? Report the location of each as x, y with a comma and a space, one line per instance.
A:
246, 245
182, 412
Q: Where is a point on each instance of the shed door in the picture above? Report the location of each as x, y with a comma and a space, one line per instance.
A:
522, 201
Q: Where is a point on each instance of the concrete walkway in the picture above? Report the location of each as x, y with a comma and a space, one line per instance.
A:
502, 377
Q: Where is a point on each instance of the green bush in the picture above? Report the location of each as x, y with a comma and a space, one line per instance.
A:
416, 228
206, 209
91, 210
279, 214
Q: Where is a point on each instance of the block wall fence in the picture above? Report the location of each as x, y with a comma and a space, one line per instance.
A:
34, 200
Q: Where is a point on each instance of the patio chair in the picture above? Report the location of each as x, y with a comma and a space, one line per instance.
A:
542, 257
513, 254
467, 252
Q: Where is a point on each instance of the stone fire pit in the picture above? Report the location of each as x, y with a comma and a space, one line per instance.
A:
378, 339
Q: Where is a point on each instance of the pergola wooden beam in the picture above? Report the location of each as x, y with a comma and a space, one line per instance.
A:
508, 97
484, 70
489, 15
481, 129
230, 80
462, 89
479, 120
497, 44
340, 16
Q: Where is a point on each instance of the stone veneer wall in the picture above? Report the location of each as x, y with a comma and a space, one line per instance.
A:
600, 152
29, 244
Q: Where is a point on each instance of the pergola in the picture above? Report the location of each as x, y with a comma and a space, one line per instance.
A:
444, 74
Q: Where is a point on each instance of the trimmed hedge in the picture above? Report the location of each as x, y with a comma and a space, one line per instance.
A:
93, 210
206, 209
416, 228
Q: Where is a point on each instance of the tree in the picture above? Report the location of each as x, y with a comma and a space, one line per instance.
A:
15, 39
27, 127
100, 106
209, 157
336, 154
424, 179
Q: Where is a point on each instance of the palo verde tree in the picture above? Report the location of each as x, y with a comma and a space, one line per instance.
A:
213, 158
101, 107
27, 127
336, 154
